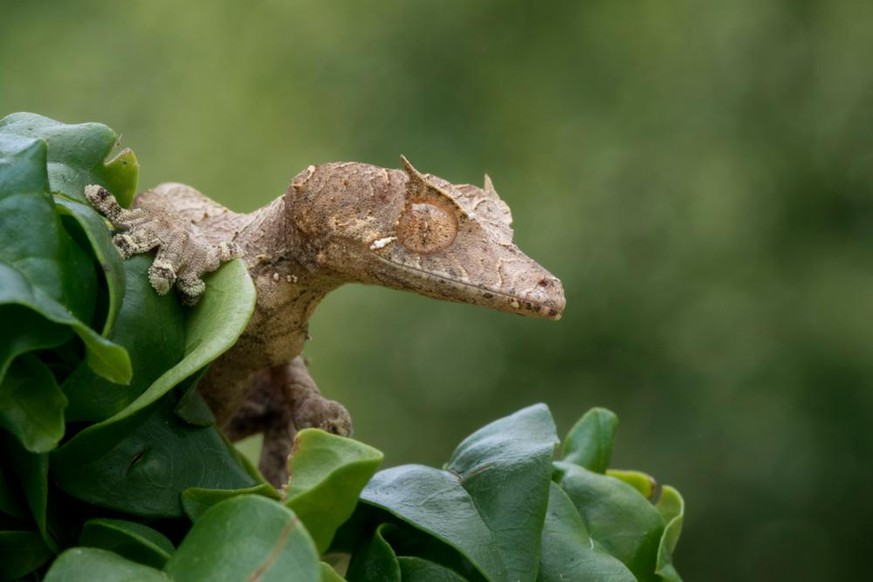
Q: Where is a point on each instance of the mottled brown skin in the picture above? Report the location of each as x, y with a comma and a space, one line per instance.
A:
337, 223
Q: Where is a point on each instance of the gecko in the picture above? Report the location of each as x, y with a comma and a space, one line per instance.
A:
337, 223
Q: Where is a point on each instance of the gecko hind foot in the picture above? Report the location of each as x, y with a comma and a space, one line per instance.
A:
328, 415
283, 400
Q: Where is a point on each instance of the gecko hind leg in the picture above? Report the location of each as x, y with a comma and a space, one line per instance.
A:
281, 401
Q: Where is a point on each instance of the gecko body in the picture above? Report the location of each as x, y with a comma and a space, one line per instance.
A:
337, 223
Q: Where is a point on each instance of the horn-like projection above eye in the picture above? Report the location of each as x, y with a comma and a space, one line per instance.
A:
426, 228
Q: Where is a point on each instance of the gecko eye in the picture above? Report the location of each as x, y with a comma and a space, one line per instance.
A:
426, 228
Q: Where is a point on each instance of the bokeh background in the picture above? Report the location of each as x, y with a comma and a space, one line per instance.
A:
697, 173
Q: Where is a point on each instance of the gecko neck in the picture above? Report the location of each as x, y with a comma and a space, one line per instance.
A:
289, 289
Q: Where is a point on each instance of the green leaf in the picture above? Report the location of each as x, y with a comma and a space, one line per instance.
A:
414, 569
327, 473
32, 405
246, 538
37, 156
434, 502
31, 471
132, 540
506, 468
491, 503
196, 501
192, 408
589, 442
93, 564
568, 552
375, 561
43, 268
79, 155
328, 574
32, 332
11, 500
672, 509
106, 358
21, 552
32, 239
616, 516
151, 328
144, 471
108, 258
210, 329
640, 481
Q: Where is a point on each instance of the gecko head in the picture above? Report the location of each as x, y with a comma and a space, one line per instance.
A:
417, 232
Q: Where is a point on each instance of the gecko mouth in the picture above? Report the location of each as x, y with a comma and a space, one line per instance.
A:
546, 299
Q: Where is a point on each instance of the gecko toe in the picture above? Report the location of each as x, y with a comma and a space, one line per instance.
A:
190, 289
162, 276
227, 251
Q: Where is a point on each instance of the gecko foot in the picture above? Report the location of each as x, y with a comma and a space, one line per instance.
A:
282, 401
183, 254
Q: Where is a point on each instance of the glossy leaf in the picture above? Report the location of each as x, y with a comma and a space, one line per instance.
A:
47, 256
327, 473
79, 154
640, 481
44, 269
21, 552
108, 258
616, 516
104, 357
32, 405
192, 407
144, 472
491, 503
414, 569
155, 342
328, 574
568, 552
31, 472
42, 156
11, 500
196, 501
129, 539
93, 564
506, 468
32, 332
375, 561
672, 509
246, 538
434, 502
211, 328
589, 442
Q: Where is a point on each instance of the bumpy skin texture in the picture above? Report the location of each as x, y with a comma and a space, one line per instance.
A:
337, 223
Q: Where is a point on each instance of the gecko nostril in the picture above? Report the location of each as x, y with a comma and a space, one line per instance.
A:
543, 282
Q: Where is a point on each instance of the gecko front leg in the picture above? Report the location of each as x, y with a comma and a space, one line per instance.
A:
282, 400
189, 232
183, 255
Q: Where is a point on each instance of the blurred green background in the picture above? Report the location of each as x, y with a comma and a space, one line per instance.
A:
697, 173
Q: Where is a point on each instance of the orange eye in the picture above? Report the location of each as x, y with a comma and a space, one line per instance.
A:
425, 228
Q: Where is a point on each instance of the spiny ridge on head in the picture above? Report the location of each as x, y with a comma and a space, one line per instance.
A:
483, 205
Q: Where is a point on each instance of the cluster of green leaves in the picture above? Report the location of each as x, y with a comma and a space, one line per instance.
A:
111, 467
503, 508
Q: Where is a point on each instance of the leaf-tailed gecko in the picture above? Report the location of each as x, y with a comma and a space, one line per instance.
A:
337, 223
